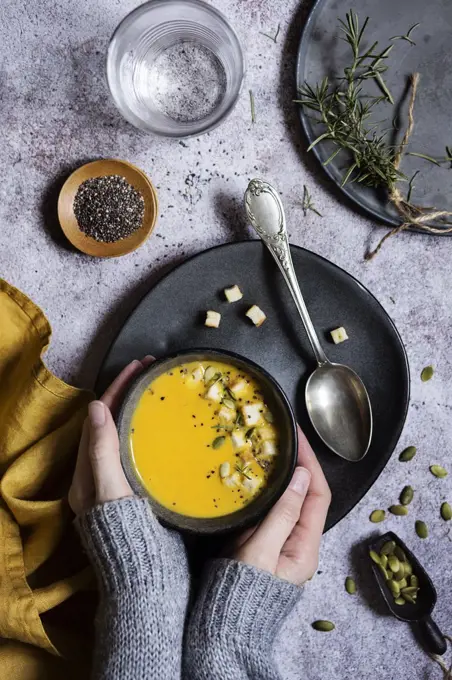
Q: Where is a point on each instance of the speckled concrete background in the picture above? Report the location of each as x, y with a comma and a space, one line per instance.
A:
56, 113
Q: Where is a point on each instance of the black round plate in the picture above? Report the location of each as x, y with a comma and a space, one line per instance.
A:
323, 52
171, 318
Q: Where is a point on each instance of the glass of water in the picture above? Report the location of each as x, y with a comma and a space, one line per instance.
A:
175, 67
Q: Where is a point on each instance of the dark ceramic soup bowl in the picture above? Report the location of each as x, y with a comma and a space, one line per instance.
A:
284, 464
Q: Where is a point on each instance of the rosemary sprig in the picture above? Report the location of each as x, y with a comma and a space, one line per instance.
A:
272, 37
430, 159
407, 36
344, 110
411, 186
307, 203
243, 469
253, 107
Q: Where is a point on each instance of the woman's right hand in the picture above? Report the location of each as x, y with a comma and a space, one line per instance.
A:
287, 541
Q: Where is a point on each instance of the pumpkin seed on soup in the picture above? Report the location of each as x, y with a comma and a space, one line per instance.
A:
217, 442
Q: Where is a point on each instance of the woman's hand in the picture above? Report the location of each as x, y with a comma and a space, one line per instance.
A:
287, 541
98, 475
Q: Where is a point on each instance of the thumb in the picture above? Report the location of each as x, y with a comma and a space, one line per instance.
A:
109, 478
264, 547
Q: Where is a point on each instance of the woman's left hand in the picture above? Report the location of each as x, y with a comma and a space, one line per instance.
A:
98, 475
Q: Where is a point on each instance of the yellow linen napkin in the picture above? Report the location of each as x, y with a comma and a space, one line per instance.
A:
47, 597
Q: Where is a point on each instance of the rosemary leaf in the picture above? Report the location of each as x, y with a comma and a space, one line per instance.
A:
425, 157
253, 107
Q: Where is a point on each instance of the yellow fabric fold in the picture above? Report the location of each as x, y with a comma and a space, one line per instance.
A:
47, 598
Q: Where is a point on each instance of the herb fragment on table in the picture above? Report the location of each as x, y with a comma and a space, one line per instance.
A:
272, 37
407, 36
307, 203
253, 107
108, 208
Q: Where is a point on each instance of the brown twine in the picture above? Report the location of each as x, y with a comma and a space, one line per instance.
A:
439, 660
414, 216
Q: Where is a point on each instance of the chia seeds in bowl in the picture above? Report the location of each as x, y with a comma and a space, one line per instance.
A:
108, 208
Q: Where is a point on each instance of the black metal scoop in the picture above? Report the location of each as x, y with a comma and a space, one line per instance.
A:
419, 612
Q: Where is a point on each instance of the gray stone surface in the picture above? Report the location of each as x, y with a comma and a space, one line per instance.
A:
56, 113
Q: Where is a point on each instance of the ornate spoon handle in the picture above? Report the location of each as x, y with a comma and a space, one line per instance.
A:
265, 213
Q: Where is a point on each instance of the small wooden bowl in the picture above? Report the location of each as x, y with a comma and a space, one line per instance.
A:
101, 168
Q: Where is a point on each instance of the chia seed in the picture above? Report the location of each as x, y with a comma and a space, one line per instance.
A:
108, 208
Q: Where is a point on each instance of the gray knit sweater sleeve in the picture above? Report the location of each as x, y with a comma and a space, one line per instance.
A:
144, 583
233, 625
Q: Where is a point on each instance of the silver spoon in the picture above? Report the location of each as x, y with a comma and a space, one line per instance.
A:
336, 399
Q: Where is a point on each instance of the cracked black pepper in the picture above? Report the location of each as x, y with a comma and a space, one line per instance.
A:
108, 208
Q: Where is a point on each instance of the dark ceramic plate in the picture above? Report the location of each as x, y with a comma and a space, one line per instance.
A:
284, 418
322, 52
171, 317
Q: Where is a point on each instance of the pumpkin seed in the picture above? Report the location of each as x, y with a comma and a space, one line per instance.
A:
427, 373
374, 556
421, 528
408, 569
409, 598
388, 548
210, 372
394, 587
225, 469
350, 585
268, 415
438, 471
407, 495
229, 403
384, 572
400, 575
407, 454
383, 560
399, 600
403, 583
399, 510
446, 512
394, 563
249, 433
390, 574
411, 590
323, 626
217, 442
398, 552
377, 516
414, 581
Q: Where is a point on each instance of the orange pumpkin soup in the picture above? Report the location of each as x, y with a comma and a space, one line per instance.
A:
202, 439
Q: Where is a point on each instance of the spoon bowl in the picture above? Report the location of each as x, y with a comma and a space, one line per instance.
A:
339, 408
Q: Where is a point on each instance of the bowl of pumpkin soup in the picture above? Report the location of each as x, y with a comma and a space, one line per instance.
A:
210, 438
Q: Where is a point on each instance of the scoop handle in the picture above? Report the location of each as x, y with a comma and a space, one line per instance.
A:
432, 637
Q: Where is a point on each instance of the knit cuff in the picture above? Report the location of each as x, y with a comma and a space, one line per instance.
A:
242, 602
124, 543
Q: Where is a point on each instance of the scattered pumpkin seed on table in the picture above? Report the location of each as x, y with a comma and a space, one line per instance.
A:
407, 454
377, 516
427, 373
323, 626
350, 585
421, 528
407, 495
446, 511
438, 471
398, 510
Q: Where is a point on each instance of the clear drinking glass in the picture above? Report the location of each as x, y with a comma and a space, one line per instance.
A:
175, 67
